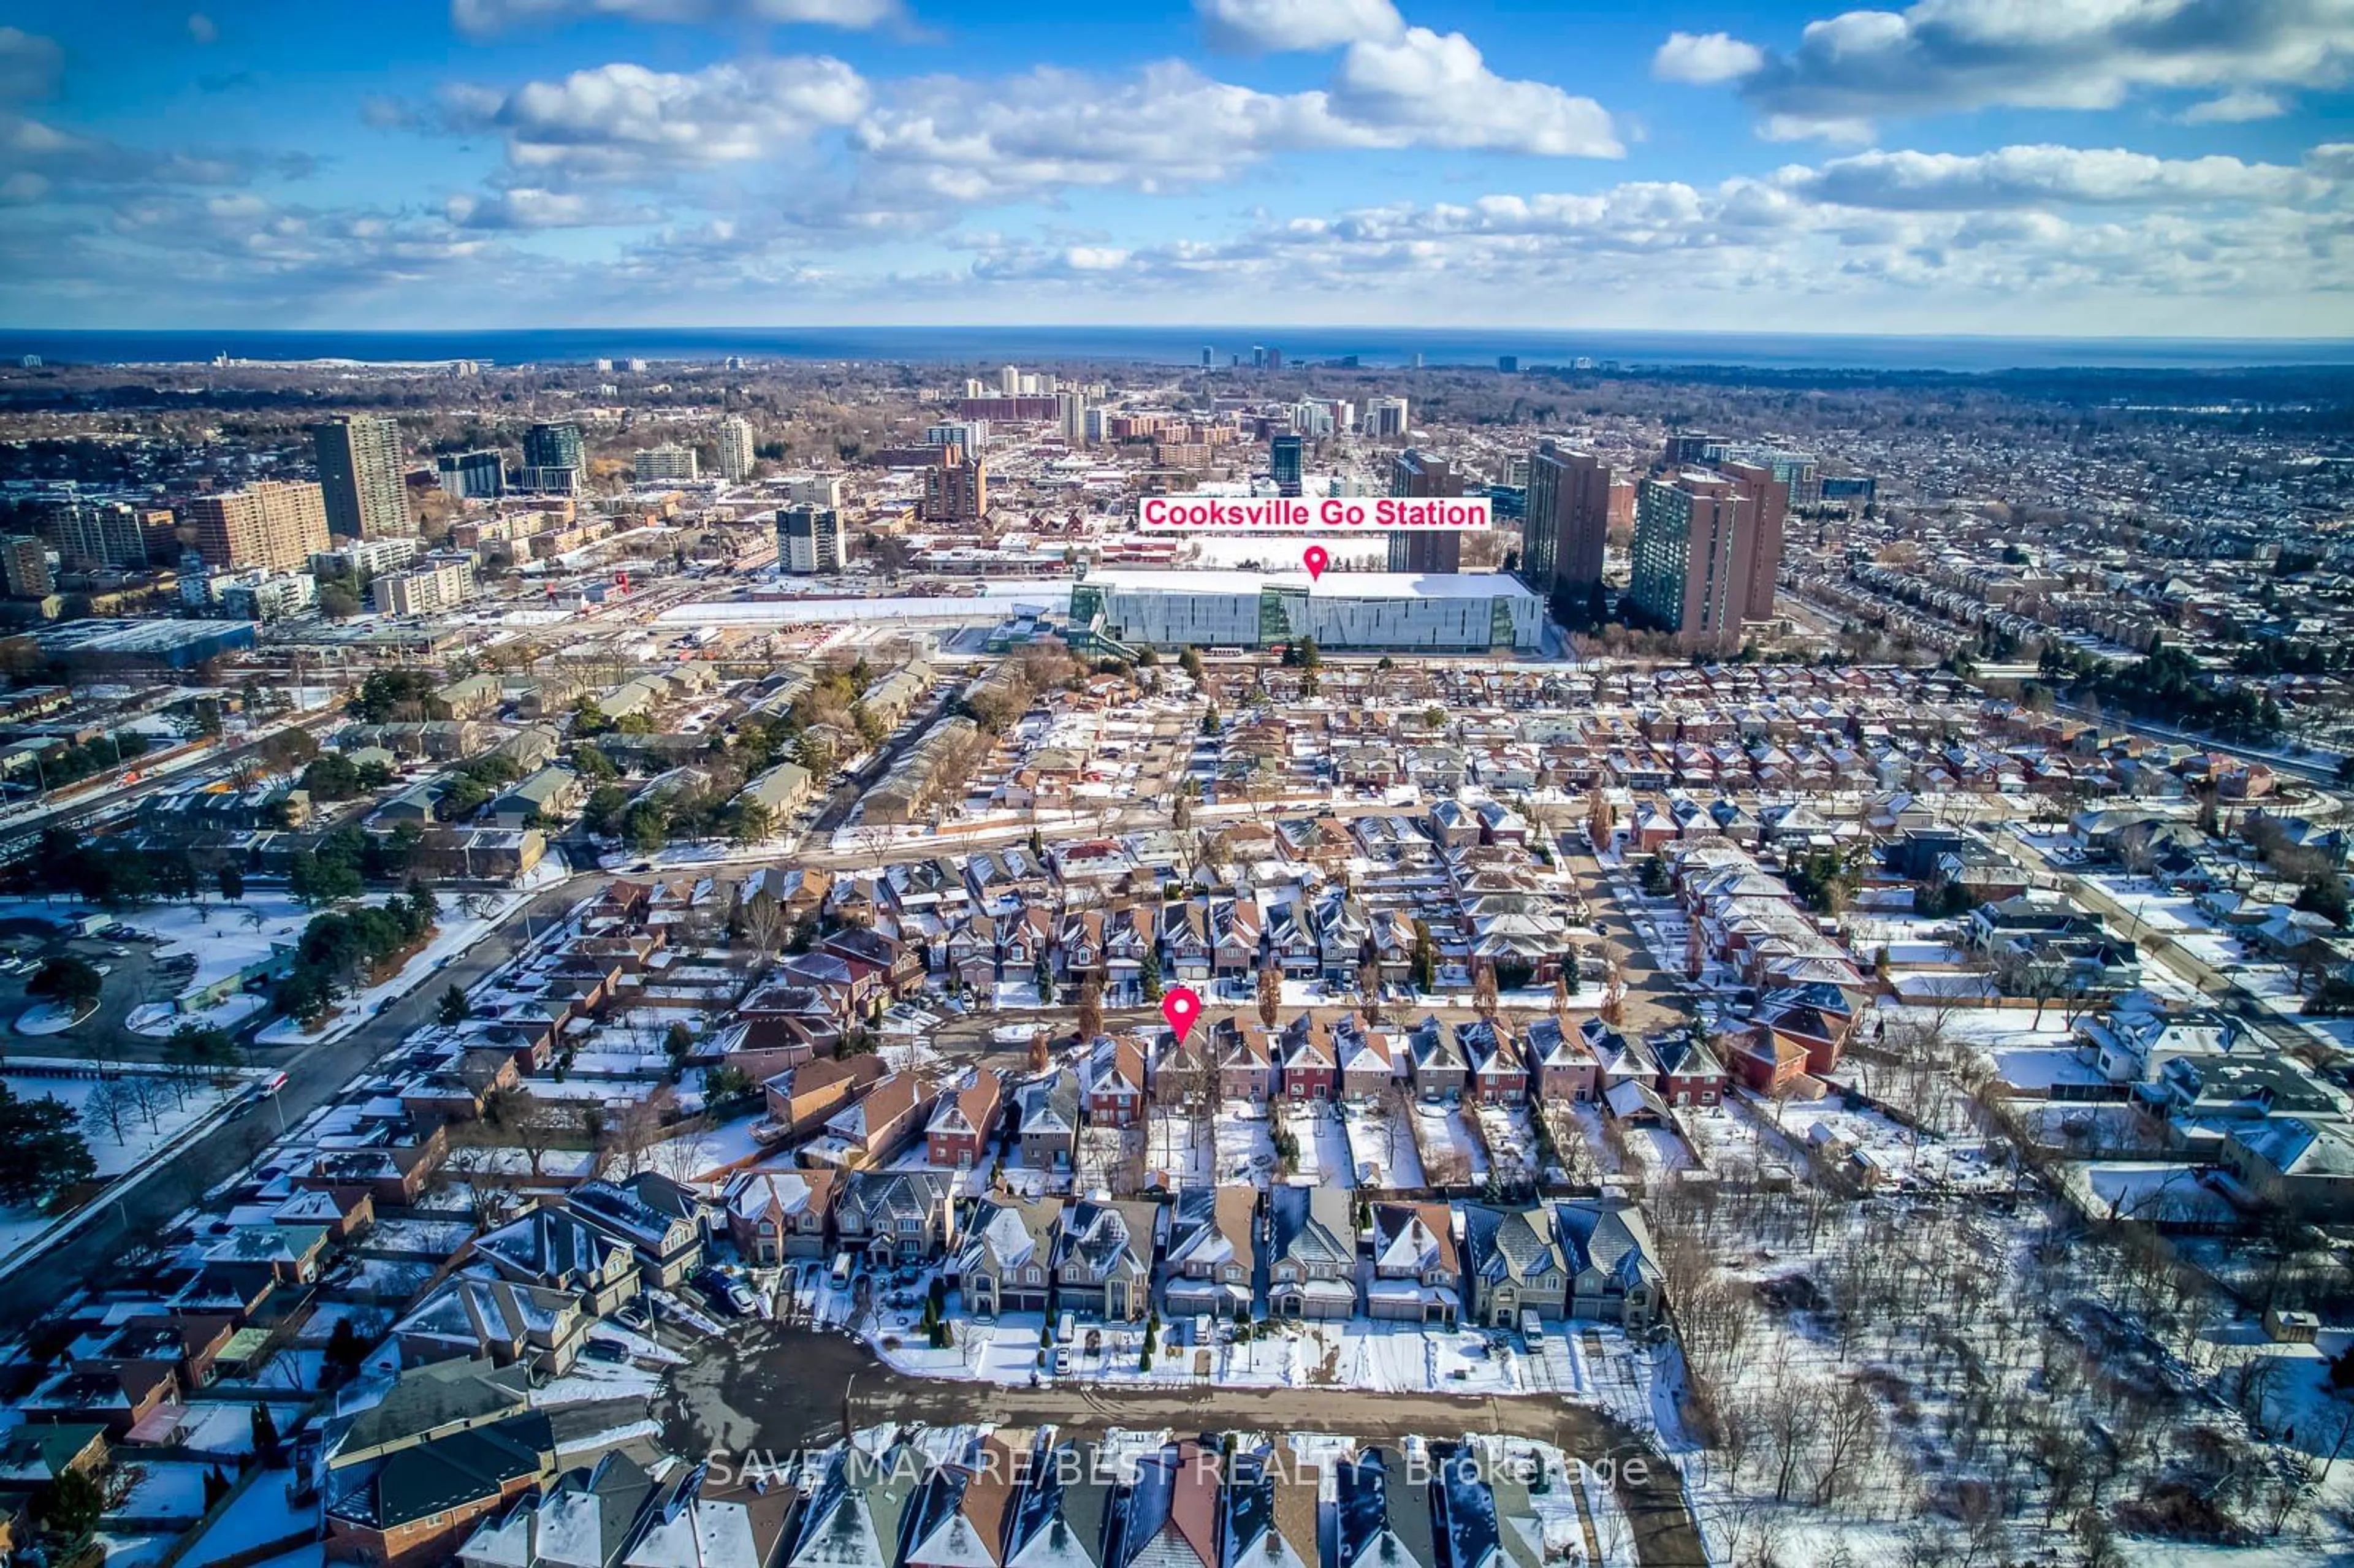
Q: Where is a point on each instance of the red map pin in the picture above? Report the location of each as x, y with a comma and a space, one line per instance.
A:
1180, 1007
1317, 561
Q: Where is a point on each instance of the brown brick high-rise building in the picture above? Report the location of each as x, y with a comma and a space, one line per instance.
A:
1568, 519
1770, 502
271, 524
1699, 554
1437, 552
955, 492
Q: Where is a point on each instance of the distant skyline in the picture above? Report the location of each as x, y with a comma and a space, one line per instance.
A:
2078, 168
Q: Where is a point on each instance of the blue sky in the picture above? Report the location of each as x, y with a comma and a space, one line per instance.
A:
2084, 167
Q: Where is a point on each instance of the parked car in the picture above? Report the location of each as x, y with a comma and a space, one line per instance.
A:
602, 1348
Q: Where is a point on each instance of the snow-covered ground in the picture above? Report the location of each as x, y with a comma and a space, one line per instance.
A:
1356, 1352
151, 1111
456, 933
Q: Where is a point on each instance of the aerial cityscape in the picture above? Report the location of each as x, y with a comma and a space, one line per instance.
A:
1265, 830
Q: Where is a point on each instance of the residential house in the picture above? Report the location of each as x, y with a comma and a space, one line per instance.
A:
587, 1520
414, 1506
1245, 1060
1440, 1068
854, 1515
668, 1245
1368, 1066
1614, 1274
957, 1518
962, 1122
1235, 934
1210, 1256
1416, 1275
896, 1216
1378, 1520
1113, 1081
1166, 1515
1307, 1065
1185, 946
1690, 1074
557, 1250
475, 1313
1498, 1072
1006, 1262
802, 1098
774, 1215
1103, 1258
1311, 1253
1511, 1264
2300, 1166
1049, 1109
1561, 1065
873, 1129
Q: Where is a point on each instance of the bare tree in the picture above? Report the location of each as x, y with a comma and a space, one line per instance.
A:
1613, 985
105, 1105
764, 923
1271, 995
144, 1095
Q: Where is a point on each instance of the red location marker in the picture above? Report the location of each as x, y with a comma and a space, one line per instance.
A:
1317, 561
1180, 1007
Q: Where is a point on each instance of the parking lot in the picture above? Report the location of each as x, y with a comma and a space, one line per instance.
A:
129, 974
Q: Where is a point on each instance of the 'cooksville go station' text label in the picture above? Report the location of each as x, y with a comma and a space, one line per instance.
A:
1203, 514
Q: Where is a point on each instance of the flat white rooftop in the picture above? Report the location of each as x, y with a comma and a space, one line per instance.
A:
1331, 585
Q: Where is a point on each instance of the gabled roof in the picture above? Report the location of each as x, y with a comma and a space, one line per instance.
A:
1008, 1233
1312, 1224
1611, 1237
1507, 1244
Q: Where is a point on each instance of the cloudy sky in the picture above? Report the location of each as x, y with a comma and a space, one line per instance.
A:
2166, 167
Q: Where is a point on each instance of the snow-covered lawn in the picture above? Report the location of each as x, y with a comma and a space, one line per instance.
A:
1245, 1153
2145, 1190
165, 1489
155, 1111
1324, 1159
1511, 1142
1449, 1152
1381, 1146
1356, 1352
1173, 1143
456, 933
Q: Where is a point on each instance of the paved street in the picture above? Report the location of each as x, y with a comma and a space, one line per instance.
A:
773, 1390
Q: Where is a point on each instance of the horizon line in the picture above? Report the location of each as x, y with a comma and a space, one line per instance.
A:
1191, 327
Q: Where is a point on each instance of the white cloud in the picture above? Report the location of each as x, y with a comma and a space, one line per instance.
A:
29, 65
625, 121
1438, 91
481, 18
202, 28
1944, 55
2235, 108
2041, 175
1167, 128
527, 207
1265, 27
1706, 57
2081, 236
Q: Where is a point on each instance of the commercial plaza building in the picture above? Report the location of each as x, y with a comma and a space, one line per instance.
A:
1383, 612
